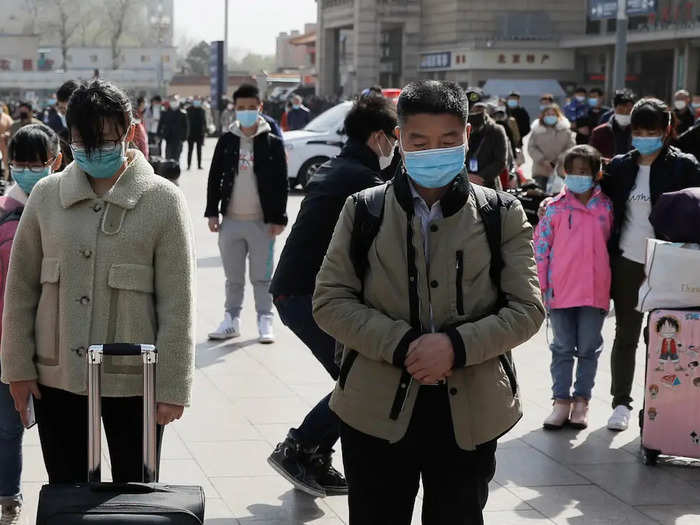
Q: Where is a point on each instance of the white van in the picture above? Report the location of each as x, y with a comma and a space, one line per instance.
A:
321, 140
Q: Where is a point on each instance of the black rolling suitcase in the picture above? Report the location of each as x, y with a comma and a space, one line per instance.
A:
166, 168
113, 503
530, 196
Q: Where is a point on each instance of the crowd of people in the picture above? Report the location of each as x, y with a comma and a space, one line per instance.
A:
406, 274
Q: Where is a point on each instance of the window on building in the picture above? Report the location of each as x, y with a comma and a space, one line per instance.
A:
27, 64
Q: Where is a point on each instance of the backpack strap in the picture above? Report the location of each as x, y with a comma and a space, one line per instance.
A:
489, 203
10, 216
369, 212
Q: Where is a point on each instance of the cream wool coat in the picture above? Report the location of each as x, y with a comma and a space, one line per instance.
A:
89, 270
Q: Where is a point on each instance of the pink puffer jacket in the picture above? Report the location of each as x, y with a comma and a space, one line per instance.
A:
571, 251
8, 228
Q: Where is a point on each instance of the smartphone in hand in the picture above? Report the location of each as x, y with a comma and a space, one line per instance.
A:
30, 416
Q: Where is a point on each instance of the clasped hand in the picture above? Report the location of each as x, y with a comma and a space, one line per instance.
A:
430, 358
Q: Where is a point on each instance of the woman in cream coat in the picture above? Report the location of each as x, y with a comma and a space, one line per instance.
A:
103, 253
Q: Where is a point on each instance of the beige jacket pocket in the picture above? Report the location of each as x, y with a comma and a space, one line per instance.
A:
132, 315
47, 328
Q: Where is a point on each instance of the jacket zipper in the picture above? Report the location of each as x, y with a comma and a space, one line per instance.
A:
460, 290
570, 220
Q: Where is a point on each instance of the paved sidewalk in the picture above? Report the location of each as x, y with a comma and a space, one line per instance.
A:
248, 395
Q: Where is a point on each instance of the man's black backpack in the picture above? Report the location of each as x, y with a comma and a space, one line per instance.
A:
369, 212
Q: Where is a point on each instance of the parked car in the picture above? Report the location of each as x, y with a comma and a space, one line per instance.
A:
321, 140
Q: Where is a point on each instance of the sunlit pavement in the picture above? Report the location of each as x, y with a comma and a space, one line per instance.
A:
248, 395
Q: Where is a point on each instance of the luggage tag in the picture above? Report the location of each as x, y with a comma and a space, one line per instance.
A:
473, 165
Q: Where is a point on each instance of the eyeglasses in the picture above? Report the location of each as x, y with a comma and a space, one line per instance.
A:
33, 169
107, 147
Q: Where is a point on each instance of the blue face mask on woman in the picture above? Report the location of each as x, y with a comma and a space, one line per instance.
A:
648, 145
550, 120
102, 163
26, 179
579, 183
434, 168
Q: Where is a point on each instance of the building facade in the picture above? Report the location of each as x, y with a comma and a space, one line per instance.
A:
530, 46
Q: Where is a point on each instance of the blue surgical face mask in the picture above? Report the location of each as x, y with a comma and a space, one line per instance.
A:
512, 104
102, 163
247, 117
197, 103
550, 120
27, 179
647, 145
593, 102
434, 168
580, 98
579, 183
296, 106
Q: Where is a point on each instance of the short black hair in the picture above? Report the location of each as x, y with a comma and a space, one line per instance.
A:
35, 142
650, 113
370, 114
246, 91
140, 100
25, 104
547, 96
66, 90
156, 98
91, 106
670, 320
623, 96
596, 90
433, 96
586, 153
514, 94
580, 89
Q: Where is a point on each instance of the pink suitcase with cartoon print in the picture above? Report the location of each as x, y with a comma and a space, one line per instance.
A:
671, 417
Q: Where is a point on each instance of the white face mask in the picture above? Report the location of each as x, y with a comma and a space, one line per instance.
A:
622, 120
680, 104
385, 160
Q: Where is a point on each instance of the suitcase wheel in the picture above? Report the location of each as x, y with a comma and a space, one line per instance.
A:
650, 456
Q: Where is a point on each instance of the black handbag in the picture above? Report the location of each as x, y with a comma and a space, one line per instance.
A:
119, 503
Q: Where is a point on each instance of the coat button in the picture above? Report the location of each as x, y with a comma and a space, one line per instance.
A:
433, 284
433, 228
84, 300
97, 207
87, 253
80, 351
453, 391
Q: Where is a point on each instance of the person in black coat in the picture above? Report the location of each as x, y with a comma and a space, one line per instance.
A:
174, 128
520, 114
305, 455
197, 120
634, 182
685, 116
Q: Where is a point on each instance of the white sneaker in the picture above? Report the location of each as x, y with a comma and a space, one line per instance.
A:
267, 336
10, 514
620, 418
229, 328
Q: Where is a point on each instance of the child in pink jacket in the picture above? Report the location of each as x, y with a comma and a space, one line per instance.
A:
574, 271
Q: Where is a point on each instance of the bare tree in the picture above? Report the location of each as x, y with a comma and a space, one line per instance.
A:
63, 19
116, 24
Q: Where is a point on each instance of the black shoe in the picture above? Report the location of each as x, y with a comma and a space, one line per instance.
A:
288, 460
188, 168
332, 481
199, 168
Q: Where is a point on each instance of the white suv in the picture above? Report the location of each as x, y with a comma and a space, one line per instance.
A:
321, 140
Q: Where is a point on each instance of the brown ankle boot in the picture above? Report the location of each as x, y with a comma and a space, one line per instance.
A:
559, 416
579, 414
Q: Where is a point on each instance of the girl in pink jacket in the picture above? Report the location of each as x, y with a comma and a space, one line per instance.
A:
574, 271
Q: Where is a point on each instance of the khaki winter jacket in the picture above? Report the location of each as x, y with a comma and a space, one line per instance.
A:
483, 391
547, 144
89, 270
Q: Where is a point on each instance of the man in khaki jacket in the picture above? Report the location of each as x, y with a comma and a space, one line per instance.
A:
425, 388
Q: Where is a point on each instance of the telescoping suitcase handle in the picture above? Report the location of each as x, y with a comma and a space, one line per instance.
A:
150, 358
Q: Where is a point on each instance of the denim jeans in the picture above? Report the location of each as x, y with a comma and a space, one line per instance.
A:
577, 333
11, 431
320, 428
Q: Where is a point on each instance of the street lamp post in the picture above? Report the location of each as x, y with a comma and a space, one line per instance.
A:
161, 22
620, 71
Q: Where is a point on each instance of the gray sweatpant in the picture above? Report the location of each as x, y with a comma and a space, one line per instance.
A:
238, 239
